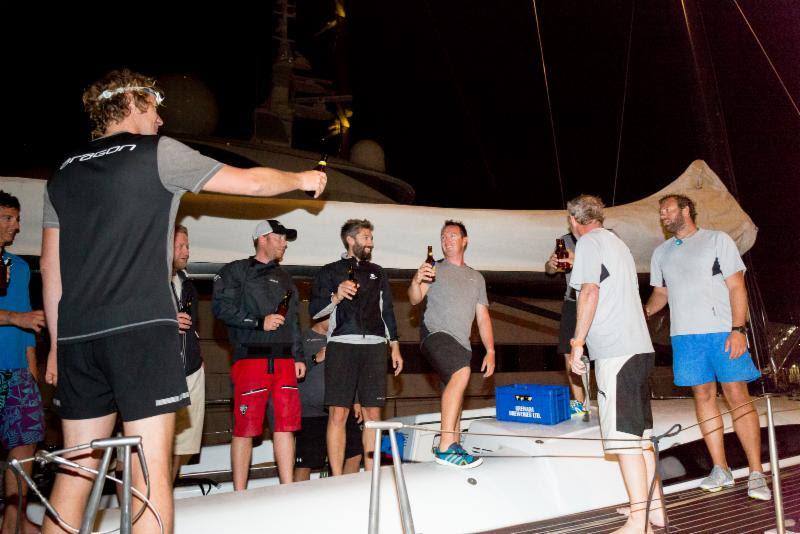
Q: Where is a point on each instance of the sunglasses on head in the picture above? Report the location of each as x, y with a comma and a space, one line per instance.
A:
108, 93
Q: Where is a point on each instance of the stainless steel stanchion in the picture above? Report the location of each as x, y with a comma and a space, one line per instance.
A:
125, 524
93, 504
399, 480
400, 484
776, 473
375, 490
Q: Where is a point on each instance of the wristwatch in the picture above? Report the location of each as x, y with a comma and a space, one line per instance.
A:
741, 329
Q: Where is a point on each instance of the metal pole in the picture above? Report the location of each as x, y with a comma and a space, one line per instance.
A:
776, 473
374, 495
93, 504
400, 484
125, 506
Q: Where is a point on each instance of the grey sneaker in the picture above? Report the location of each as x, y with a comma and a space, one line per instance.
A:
718, 478
757, 487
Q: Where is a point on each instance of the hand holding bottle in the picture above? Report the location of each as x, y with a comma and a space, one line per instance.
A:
425, 274
273, 322
347, 290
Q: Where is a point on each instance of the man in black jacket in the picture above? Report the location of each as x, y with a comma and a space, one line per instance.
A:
188, 419
356, 295
257, 300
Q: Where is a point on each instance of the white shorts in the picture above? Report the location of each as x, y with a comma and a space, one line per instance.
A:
624, 399
189, 419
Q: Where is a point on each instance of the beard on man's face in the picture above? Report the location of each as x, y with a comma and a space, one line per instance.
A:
362, 253
673, 226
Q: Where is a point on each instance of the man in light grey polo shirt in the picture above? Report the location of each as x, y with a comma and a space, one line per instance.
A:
610, 321
700, 274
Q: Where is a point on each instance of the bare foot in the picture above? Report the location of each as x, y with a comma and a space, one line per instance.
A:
656, 516
632, 527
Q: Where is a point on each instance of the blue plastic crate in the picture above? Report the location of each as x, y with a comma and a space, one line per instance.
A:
544, 404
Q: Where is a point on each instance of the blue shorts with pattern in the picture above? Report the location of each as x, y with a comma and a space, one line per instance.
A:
701, 358
21, 416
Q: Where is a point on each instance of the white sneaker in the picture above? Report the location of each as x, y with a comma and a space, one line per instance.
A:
718, 478
757, 487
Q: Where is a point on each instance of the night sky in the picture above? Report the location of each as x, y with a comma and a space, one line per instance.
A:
454, 92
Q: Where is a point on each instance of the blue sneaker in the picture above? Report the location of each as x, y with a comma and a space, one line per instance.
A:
576, 408
456, 456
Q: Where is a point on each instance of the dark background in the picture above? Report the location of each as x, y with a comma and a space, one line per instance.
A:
454, 91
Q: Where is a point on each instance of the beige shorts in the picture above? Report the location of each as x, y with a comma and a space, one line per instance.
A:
623, 396
189, 419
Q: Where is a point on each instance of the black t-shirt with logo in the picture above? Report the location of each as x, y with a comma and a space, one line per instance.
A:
114, 203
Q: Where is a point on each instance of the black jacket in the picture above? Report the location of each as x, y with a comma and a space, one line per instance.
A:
370, 313
190, 342
246, 291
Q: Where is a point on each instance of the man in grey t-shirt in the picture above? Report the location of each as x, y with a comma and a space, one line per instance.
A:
106, 261
456, 295
700, 274
610, 321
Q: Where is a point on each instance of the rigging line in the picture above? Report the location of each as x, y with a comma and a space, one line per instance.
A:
703, 89
462, 100
734, 188
763, 51
549, 104
624, 99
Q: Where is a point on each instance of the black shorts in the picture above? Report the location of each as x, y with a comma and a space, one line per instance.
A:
138, 373
569, 317
351, 368
445, 354
311, 445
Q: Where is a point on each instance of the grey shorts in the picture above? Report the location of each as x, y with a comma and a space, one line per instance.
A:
445, 354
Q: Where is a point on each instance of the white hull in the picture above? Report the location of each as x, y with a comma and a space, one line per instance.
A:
565, 477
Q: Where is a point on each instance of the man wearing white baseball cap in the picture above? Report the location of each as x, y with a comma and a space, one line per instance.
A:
257, 300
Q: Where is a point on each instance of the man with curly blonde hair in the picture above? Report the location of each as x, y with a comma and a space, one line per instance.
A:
109, 212
107, 101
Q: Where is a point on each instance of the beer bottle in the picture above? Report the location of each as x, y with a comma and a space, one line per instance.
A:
5, 264
351, 275
429, 260
186, 307
283, 306
563, 266
322, 166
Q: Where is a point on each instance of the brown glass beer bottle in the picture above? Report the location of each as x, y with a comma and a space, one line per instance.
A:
322, 166
429, 260
283, 307
563, 266
351, 275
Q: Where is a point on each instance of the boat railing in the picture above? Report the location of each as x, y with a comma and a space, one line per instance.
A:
399, 480
123, 446
405, 506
